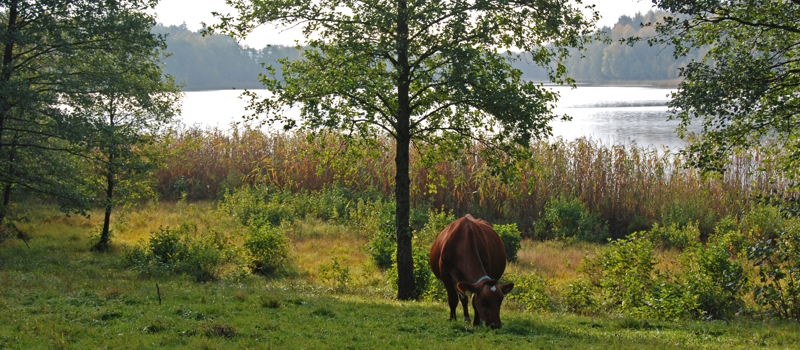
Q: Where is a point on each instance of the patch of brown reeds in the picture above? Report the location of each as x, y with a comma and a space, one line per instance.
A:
623, 183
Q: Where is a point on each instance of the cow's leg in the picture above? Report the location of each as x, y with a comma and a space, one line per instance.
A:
464, 302
452, 299
477, 321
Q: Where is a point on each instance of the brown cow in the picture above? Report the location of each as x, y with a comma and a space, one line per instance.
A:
469, 256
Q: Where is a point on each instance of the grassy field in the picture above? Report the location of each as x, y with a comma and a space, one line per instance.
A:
55, 293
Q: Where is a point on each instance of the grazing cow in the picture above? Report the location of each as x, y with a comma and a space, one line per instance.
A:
469, 256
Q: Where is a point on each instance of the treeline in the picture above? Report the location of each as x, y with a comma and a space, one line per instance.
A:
219, 62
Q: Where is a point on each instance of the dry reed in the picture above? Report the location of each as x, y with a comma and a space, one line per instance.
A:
623, 183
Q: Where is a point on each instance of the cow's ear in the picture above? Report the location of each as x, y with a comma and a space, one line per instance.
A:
464, 287
506, 287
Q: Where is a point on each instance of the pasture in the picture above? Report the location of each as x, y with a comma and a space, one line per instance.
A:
56, 293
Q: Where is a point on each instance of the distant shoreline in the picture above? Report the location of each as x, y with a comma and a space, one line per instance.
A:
657, 84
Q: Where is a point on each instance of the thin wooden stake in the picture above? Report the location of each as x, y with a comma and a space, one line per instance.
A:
158, 291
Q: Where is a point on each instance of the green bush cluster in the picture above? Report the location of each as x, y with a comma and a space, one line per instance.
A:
568, 219
181, 250
266, 248
511, 237
277, 205
778, 265
529, 290
674, 235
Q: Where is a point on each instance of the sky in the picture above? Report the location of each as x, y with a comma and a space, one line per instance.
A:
193, 12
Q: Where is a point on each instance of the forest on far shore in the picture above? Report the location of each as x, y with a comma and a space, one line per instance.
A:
219, 62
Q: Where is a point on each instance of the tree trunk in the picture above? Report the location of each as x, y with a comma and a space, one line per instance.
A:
7, 188
406, 289
8, 56
105, 238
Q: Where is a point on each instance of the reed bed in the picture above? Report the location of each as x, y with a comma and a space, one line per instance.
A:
631, 187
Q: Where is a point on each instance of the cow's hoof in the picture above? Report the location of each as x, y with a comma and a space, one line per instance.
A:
467, 319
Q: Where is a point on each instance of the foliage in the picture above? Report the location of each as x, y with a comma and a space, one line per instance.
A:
717, 282
728, 235
252, 206
624, 273
56, 56
511, 237
336, 274
578, 297
267, 249
778, 263
180, 251
567, 219
216, 62
674, 236
610, 62
423, 71
423, 276
762, 222
437, 222
529, 290
745, 89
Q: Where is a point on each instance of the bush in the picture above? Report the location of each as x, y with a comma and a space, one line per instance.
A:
511, 237
529, 290
717, 282
376, 220
623, 273
437, 222
254, 205
778, 263
727, 235
267, 249
762, 222
336, 274
578, 297
568, 219
674, 236
180, 250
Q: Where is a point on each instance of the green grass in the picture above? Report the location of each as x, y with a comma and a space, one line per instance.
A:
58, 294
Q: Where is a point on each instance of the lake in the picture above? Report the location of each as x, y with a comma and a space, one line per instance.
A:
610, 114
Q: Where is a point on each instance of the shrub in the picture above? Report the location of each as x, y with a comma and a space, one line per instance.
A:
529, 290
335, 274
376, 220
674, 236
762, 222
623, 273
578, 296
267, 249
179, 250
778, 263
437, 222
570, 219
668, 300
511, 237
717, 282
256, 205
727, 235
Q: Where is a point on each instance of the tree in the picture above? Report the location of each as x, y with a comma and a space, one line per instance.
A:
131, 102
45, 45
746, 90
428, 71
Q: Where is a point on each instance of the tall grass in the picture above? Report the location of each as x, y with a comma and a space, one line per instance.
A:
631, 187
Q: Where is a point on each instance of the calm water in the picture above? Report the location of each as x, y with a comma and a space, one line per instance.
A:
612, 115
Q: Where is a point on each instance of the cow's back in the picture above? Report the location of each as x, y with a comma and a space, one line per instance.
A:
461, 246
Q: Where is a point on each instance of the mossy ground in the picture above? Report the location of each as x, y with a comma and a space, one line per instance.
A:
59, 294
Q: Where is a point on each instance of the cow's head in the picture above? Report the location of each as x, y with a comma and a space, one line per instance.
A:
488, 295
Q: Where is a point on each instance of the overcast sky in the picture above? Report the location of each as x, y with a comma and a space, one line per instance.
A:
192, 12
